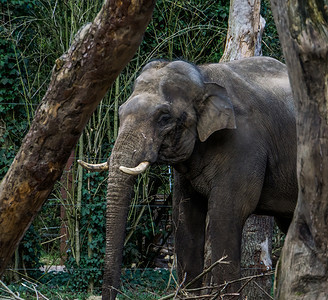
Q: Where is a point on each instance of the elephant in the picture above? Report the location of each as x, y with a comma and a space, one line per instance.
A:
229, 132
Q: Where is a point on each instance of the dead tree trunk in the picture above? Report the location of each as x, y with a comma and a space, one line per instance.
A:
244, 40
303, 32
245, 30
80, 79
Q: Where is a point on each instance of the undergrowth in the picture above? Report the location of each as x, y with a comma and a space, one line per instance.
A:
136, 284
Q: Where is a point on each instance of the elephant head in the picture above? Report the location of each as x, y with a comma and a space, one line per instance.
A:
170, 109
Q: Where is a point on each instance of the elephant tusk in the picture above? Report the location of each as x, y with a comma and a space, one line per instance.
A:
137, 170
93, 167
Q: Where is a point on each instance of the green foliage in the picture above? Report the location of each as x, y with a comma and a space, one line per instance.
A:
146, 283
92, 230
148, 221
30, 248
136, 284
270, 42
15, 108
191, 30
13, 122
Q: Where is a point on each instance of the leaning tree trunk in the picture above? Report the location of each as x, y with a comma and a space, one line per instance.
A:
303, 32
244, 40
79, 81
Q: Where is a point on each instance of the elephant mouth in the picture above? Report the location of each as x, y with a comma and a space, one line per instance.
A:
173, 155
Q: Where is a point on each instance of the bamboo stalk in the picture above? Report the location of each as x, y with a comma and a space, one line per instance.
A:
117, 91
78, 205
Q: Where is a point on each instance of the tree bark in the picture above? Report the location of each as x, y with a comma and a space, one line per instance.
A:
256, 256
80, 79
245, 30
303, 32
244, 40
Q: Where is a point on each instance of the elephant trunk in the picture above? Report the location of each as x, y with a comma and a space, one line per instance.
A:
119, 193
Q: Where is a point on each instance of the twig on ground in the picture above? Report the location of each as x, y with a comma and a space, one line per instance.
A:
227, 295
209, 269
120, 292
246, 278
263, 290
222, 287
220, 261
245, 284
9, 291
212, 287
249, 279
198, 297
180, 286
37, 293
59, 296
171, 276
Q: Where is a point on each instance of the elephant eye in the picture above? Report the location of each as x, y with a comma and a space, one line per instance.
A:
164, 119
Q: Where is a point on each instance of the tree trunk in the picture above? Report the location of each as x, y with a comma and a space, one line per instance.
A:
244, 40
303, 266
79, 81
256, 256
245, 30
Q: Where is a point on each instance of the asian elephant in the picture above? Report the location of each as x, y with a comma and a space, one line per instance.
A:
229, 131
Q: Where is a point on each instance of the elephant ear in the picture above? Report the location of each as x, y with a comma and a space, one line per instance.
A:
217, 111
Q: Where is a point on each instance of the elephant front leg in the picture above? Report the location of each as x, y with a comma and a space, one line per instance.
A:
189, 215
223, 239
227, 250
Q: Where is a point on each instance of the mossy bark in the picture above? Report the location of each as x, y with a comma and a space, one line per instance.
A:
79, 81
303, 32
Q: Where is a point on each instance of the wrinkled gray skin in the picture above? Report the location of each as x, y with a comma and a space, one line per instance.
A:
229, 131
